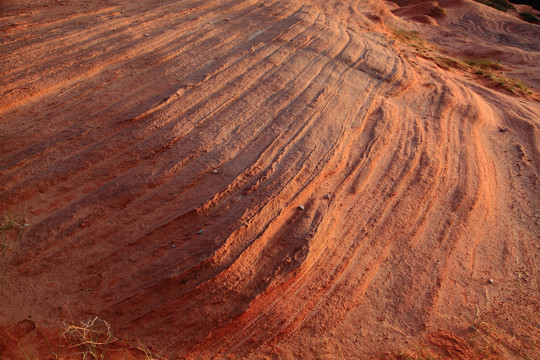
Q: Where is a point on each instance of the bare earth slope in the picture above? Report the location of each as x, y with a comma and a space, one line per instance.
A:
160, 152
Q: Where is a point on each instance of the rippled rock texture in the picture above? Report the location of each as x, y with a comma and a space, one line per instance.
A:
160, 152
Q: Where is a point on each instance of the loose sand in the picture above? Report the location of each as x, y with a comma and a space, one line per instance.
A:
160, 150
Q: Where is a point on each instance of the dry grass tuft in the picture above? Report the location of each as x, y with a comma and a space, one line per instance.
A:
14, 226
94, 339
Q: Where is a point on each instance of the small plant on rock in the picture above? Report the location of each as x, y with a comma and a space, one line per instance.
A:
437, 11
13, 226
530, 17
501, 5
93, 338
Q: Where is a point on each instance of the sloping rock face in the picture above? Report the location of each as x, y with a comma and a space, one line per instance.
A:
267, 179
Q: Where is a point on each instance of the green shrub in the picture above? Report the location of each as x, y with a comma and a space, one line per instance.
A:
530, 17
501, 5
484, 63
407, 36
437, 11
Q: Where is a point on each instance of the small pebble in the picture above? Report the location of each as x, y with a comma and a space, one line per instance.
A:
214, 171
199, 232
173, 246
145, 34
490, 281
301, 207
227, 19
327, 196
473, 328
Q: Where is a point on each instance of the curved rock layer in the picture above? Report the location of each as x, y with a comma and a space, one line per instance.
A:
261, 179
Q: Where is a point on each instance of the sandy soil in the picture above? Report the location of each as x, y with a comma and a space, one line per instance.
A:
160, 151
